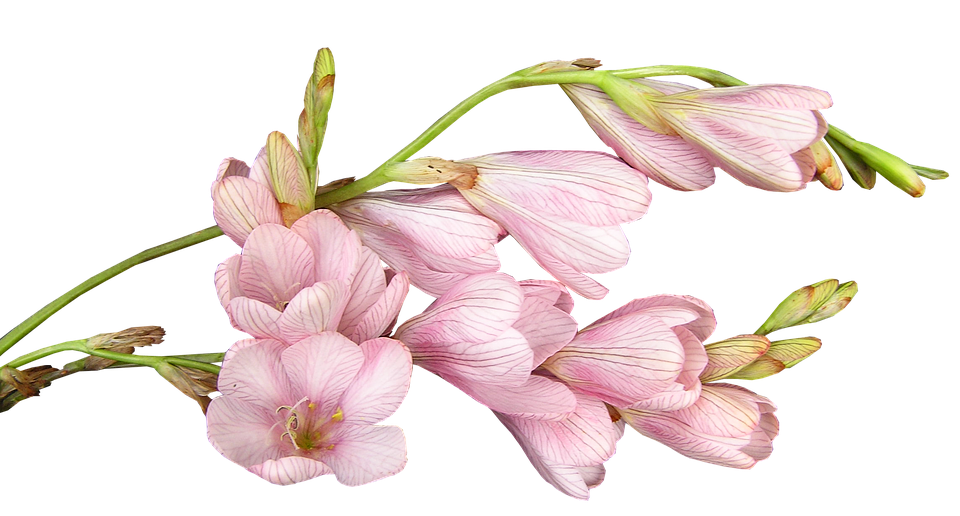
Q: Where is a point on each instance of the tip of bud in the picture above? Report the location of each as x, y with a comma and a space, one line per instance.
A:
136, 337
587, 62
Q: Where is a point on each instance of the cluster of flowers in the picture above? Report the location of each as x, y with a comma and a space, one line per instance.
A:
303, 397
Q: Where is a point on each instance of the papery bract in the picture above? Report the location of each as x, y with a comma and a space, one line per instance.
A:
728, 425
289, 414
564, 207
314, 277
433, 234
647, 354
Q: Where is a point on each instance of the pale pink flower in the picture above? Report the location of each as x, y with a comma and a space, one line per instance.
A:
564, 207
291, 413
288, 284
646, 355
278, 189
728, 425
675, 134
485, 337
433, 234
569, 453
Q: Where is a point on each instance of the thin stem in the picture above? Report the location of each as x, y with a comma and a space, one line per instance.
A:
28, 325
208, 358
710, 76
45, 352
200, 362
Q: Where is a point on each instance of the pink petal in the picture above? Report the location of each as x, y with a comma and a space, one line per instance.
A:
275, 265
367, 287
379, 317
806, 162
231, 167
255, 376
364, 453
504, 360
336, 249
546, 328
549, 291
538, 398
256, 318
380, 385
260, 170
567, 479
687, 311
667, 159
777, 96
321, 367
227, 280
586, 437
241, 204
290, 470
686, 390
314, 310
243, 432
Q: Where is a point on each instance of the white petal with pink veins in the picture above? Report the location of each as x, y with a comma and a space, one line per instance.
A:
255, 376
243, 432
321, 367
538, 398
290, 470
314, 310
336, 248
363, 453
383, 313
256, 318
380, 385
275, 265
241, 204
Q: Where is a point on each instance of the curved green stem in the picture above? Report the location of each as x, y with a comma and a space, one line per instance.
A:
28, 325
200, 362
708, 75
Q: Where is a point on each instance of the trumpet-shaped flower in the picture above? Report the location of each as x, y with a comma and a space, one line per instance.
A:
288, 284
569, 453
433, 234
293, 413
758, 134
646, 355
728, 425
564, 207
485, 336
278, 189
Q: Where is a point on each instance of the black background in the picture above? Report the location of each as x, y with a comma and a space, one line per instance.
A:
114, 148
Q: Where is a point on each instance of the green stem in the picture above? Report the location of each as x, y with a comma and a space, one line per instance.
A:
208, 358
710, 76
28, 325
190, 361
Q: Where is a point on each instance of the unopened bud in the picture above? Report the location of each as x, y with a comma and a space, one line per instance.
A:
762, 367
728, 356
586, 63
316, 105
828, 173
800, 305
27, 382
632, 98
430, 171
791, 352
859, 171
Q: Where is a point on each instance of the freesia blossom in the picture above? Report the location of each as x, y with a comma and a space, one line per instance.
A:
288, 284
278, 189
728, 425
293, 413
646, 355
433, 234
485, 337
569, 454
564, 207
758, 134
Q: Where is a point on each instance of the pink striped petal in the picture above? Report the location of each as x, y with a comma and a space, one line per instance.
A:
687, 311
380, 385
382, 315
686, 390
275, 265
538, 398
336, 249
321, 368
314, 310
567, 479
256, 377
364, 453
243, 432
806, 162
227, 280
504, 360
241, 204
777, 96
549, 291
231, 167
586, 437
290, 470
667, 159
546, 328
366, 288
256, 318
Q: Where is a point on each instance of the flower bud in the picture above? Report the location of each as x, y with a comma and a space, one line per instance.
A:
586, 63
862, 174
791, 352
828, 173
631, 97
892, 168
810, 304
316, 104
27, 382
726, 357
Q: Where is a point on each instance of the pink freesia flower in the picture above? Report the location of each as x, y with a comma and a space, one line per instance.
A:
433, 234
313, 277
564, 207
758, 134
289, 414
647, 354
569, 453
728, 425
278, 189
485, 337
